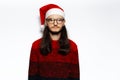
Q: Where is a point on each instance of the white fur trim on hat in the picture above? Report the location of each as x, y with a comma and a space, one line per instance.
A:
55, 11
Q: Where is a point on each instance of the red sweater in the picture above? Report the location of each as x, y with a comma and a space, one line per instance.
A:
54, 66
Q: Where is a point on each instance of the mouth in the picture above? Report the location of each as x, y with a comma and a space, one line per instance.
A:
55, 27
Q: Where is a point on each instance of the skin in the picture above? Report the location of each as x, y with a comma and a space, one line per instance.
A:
55, 27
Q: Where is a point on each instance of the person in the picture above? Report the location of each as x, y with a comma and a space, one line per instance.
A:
53, 56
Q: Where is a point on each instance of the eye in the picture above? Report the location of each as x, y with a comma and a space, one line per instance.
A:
49, 19
60, 19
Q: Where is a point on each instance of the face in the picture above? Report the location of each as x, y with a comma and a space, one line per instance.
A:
55, 23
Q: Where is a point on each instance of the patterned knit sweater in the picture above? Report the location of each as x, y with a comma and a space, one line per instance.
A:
54, 66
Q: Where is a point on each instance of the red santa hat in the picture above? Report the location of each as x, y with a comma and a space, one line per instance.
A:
48, 10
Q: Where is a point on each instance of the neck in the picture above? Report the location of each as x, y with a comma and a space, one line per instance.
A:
55, 36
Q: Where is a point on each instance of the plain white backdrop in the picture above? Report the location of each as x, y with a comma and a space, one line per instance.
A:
93, 24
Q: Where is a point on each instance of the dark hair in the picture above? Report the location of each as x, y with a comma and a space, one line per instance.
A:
45, 45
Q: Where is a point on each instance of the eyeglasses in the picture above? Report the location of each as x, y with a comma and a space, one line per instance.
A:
59, 20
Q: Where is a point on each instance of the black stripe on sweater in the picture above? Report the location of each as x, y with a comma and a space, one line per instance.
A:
44, 78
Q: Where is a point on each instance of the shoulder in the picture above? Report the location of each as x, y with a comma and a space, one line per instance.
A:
72, 42
73, 45
36, 43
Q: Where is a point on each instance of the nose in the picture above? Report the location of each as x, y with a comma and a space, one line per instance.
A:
55, 22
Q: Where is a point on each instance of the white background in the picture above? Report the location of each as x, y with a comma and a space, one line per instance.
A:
93, 24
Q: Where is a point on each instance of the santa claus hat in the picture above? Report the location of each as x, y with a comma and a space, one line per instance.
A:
48, 10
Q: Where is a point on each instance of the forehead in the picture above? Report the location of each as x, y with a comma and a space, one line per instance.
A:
55, 16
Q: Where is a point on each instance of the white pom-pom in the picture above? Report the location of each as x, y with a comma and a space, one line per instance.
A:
42, 28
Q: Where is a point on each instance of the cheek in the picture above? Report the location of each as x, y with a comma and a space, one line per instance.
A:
50, 25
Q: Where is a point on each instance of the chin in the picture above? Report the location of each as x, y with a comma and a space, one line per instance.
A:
55, 32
